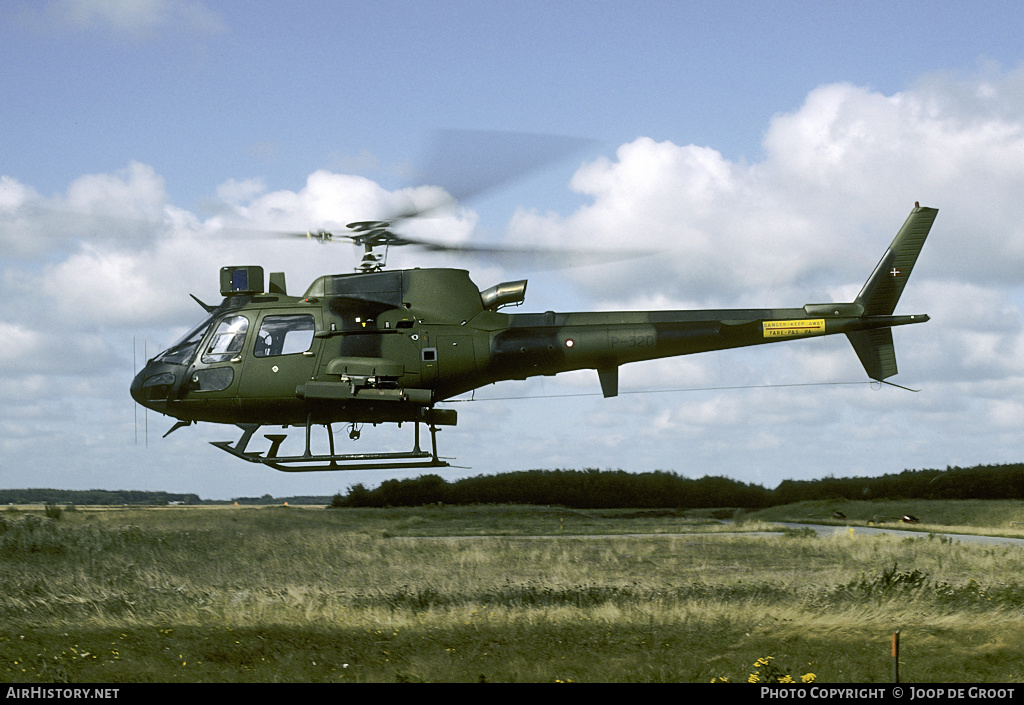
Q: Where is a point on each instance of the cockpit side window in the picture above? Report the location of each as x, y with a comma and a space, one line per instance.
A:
227, 340
284, 335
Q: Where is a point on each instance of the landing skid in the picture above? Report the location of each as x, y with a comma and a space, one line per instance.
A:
308, 462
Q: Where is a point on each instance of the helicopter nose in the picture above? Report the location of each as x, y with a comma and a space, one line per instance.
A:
136, 388
152, 386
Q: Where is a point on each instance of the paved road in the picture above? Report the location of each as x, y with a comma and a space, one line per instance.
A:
826, 530
821, 529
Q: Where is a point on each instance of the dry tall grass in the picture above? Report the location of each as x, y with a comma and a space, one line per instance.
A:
309, 595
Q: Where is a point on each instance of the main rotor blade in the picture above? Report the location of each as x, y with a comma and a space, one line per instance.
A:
465, 164
469, 163
547, 257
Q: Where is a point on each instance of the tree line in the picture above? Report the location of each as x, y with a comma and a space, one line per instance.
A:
977, 482
570, 488
141, 498
597, 489
100, 497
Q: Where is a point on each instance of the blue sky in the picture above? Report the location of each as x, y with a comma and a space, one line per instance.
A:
772, 148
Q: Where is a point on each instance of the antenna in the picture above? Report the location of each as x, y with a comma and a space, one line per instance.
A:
135, 407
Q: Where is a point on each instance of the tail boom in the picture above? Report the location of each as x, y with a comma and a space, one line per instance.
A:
549, 343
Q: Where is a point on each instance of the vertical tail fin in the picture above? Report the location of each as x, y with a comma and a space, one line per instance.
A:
885, 285
876, 351
883, 289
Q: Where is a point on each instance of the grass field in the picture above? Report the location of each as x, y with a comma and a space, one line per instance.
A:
501, 593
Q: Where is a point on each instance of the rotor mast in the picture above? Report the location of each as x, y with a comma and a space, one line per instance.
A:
371, 234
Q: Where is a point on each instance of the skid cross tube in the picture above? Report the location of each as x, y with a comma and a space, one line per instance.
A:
310, 462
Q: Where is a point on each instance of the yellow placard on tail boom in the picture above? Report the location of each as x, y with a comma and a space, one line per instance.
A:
788, 329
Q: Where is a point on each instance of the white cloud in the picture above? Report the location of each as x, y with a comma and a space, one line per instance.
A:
236, 192
838, 176
12, 194
805, 224
20, 344
134, 192
135, 19
808, 223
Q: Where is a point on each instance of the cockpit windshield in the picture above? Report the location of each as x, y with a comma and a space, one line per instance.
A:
182, 352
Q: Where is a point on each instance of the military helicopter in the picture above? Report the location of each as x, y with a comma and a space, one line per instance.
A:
380, 346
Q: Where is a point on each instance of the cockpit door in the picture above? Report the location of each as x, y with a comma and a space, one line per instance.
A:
281, 357
209, 389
